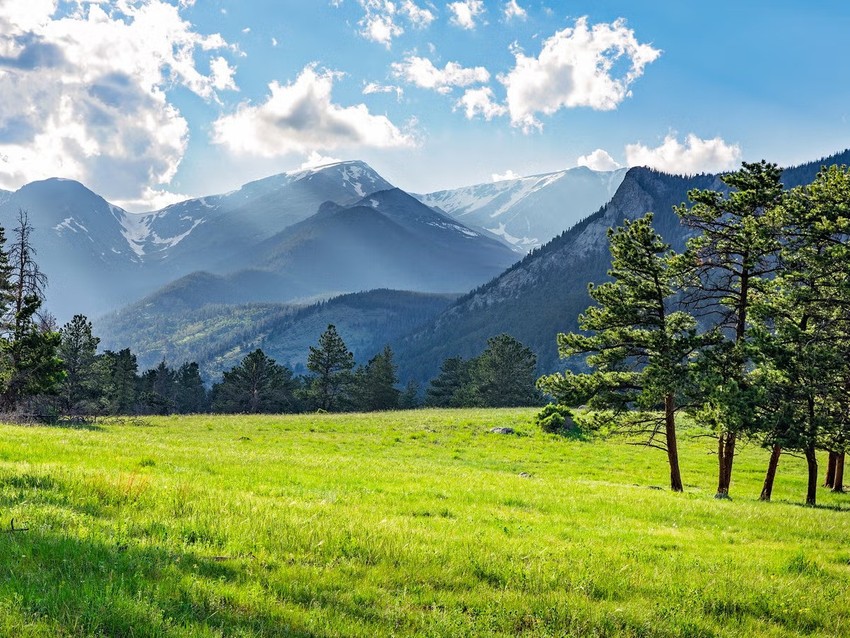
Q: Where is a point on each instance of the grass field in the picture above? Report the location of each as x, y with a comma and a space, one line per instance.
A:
403, 524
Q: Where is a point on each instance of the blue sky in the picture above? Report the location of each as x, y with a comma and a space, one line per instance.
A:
148, 101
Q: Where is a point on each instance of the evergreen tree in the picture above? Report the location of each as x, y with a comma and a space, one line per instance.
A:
504, 374
374, 388
331, 363
34, 366
803, 329
158, 390
638, 345
191, 395
729, 260
119, 382
257, 385
452, 388
409, 398
78, 351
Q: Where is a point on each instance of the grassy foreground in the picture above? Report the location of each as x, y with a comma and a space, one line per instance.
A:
403, 524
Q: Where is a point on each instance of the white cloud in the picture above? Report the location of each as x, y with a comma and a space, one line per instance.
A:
222, 75
315, 159
598, 160
576, 67
91, 89
465, 12
513, 10
423, 73
480, 102
373, 87
380, 19
300, 117
381, 29
151, 199
418, 17
500, 177
696, 155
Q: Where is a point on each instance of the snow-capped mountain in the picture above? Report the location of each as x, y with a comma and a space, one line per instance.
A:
203, 233
98, 256
527, 212
336, 228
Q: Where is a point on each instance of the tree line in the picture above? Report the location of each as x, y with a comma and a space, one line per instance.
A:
747, 331
50, 371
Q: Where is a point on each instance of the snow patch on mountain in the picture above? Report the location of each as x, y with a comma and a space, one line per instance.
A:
136, 228
529, 211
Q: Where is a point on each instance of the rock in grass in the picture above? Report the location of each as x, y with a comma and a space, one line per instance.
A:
502, 430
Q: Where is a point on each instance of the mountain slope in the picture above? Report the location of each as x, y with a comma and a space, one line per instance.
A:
529, 211
98, 256
219, 336
80, 243
387, 240
545, 292
205, 233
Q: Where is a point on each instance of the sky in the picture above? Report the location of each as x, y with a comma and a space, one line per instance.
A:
148, 102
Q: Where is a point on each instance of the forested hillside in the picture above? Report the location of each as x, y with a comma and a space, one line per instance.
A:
545, 292
218, 336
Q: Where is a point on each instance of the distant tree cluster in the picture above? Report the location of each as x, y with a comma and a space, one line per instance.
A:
501, 376
747, 330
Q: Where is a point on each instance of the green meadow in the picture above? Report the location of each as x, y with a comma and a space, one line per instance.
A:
419, 523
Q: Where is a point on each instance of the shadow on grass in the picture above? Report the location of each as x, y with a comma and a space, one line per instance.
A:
88, 587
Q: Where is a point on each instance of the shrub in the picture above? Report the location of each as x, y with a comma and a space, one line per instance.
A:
556, 419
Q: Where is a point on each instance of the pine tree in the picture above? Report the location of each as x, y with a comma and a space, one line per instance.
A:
78, 351
729, 260
374, 388
803, 329
119, 382
452, 388
639, 346
34, 365
504, 374
191, 395
257, 385
331, 363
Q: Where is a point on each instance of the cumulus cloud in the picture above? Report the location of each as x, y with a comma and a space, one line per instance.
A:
420, 18
465, 13
480, 102
315, 159
300, 117
90, 93
380, 21
423, 73
576, 67
500, 177
598, 160
513, 10
695, 155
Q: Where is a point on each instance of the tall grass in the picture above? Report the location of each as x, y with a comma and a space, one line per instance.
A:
410, 524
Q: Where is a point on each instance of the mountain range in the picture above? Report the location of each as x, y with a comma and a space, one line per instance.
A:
307, 234
211, 278
529, 211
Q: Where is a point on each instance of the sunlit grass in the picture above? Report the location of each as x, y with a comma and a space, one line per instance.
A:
409, 523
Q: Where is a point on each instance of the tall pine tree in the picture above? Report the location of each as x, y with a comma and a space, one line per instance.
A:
638, 344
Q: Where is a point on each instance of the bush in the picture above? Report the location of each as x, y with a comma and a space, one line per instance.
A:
555, 419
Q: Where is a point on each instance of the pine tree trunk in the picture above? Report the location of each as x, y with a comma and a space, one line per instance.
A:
830, 470
672, 446
812, 462
767, 490
838, 483
726, 454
